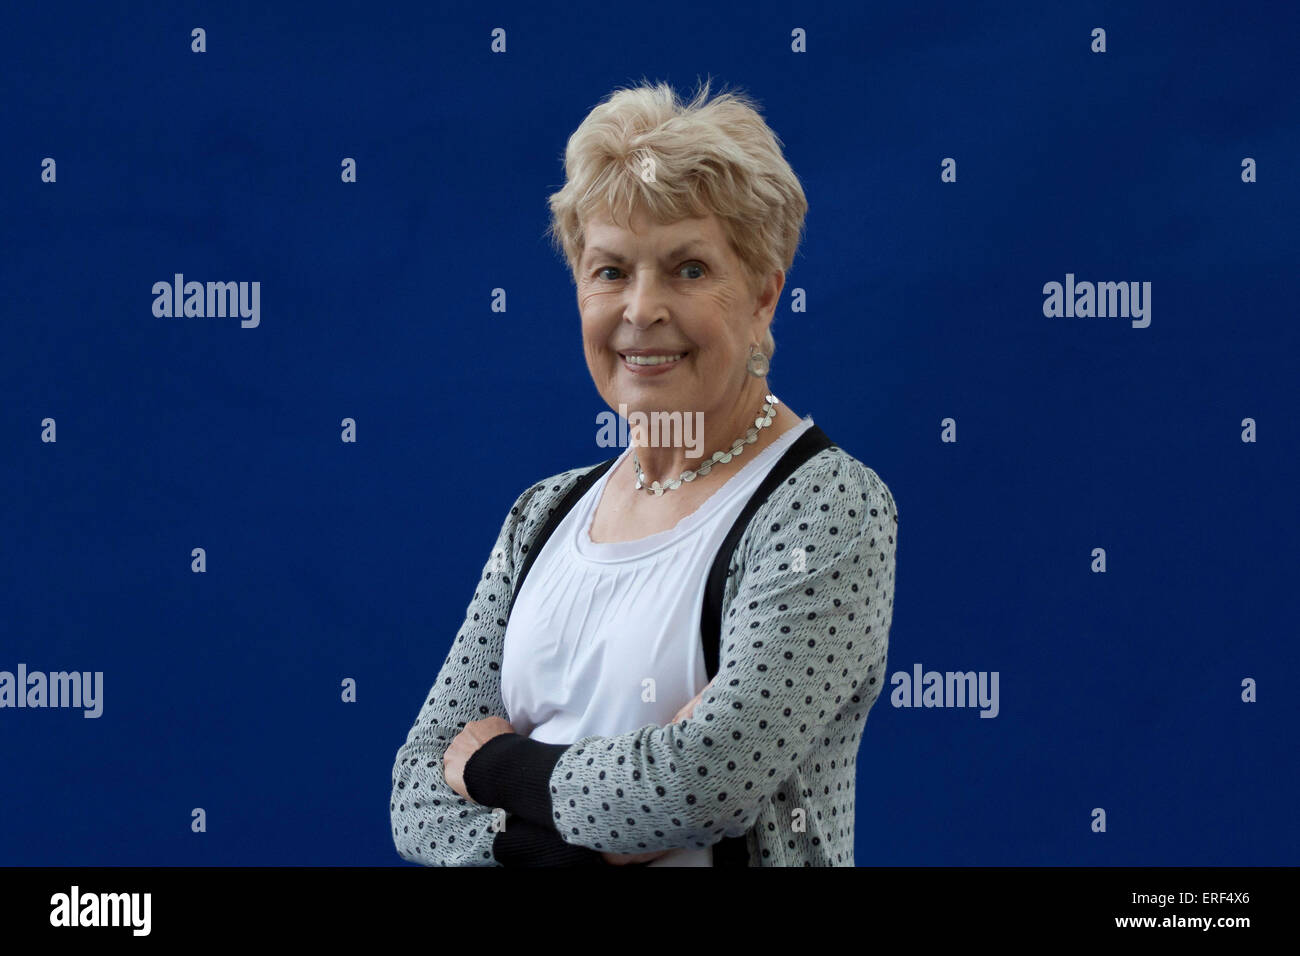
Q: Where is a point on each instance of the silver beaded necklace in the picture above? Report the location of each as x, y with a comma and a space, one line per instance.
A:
763, 420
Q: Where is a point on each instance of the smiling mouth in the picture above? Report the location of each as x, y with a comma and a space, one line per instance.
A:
651, 361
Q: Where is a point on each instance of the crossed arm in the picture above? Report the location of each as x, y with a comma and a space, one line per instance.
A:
434, 821
799, 644
513, 764
804, 646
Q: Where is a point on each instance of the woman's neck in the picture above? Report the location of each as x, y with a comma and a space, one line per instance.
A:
664, 463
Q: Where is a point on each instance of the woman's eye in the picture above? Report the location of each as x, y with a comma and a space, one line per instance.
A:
601, 273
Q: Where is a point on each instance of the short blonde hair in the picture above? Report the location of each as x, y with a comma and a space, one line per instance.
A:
717, 157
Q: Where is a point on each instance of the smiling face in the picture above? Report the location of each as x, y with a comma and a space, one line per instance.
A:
677, 289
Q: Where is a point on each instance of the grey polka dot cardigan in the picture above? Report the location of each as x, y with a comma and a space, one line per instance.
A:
770, 753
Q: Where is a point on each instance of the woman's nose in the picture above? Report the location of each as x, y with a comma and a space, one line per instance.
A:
645, 301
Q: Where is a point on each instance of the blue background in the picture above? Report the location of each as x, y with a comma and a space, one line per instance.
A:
329, 560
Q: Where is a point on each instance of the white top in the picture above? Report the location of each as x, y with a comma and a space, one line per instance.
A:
604, 638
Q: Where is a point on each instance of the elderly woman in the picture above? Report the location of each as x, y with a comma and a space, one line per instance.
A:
669, 658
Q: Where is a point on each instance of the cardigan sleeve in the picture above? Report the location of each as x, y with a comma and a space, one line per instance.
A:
432, 824
803, 656
523, 843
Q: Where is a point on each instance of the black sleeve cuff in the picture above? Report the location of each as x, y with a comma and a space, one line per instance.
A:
513, 772
524, 843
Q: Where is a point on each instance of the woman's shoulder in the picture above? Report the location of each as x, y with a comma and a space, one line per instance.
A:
831, 480
831, 513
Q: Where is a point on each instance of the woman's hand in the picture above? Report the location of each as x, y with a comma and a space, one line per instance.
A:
465, 745
689, 708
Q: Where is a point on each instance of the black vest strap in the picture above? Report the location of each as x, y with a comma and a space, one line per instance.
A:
733, 851
553, 521
806, 446
730, 851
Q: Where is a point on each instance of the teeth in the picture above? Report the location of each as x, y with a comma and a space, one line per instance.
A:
651, 359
